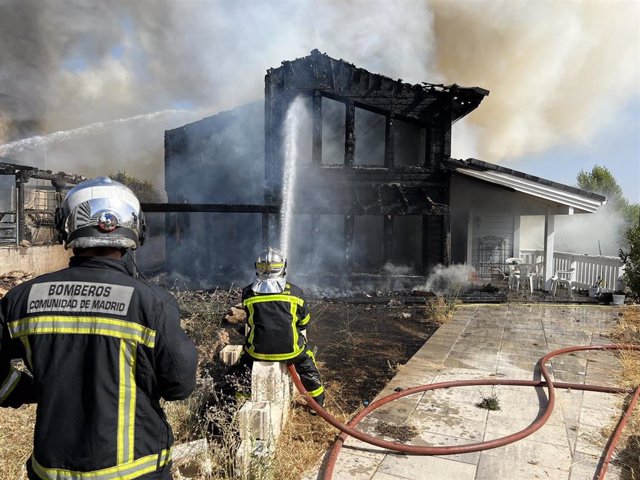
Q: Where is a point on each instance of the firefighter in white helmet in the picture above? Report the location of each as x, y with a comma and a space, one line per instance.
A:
102, 348
277, 318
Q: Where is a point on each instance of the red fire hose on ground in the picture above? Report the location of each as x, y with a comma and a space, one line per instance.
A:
349, 430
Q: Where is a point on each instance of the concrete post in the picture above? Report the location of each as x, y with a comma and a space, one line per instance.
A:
549, 247
261, 419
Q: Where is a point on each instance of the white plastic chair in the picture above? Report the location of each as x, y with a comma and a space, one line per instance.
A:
512, 269
526, 276
539, 275
562, 278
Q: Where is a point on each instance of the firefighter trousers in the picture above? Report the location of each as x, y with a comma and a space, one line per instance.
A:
305, 365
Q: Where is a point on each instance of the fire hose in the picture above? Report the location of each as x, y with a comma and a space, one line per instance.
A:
349, 430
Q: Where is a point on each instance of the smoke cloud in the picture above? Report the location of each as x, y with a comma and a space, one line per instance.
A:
72, 63
556, 70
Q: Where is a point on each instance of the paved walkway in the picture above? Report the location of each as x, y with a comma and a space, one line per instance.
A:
505, 341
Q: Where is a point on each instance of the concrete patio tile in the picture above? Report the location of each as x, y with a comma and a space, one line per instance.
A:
438, 406
601, 402
404, 405
584, 467
465, 428
389, 416
524, 361
531, 336
507, 370
600, 417
569, 363
364, 449
534, 453
568, 377
385, 476
444, 440
454, 374
483, 367
590, 440
524, 347
548, 433
356, 467
463, 394
416, 467
487, 335
497, 468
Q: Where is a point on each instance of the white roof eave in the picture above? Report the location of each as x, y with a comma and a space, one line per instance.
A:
579, 203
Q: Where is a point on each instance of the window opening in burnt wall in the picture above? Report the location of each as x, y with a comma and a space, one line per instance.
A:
317, 244
333, 131
409, 144
407, 242
367, 243
370, 135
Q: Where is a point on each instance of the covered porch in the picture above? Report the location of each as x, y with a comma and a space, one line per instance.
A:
487, 204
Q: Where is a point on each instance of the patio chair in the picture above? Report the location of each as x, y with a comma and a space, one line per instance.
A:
526, 276
562, 278
501, 277
539, 273
512, 268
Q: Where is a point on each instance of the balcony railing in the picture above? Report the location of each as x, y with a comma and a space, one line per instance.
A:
587, 268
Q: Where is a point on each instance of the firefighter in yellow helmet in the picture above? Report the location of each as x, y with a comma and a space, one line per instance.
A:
277, 318
102, 348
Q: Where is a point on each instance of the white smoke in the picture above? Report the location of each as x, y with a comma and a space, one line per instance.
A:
72, 63
557, 71
600, 233
449, 280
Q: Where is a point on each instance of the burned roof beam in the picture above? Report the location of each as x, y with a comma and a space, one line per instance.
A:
26, 172
208, 208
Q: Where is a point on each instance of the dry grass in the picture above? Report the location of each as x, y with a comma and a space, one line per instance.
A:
16, 438
306, 438
442, 308
628, 451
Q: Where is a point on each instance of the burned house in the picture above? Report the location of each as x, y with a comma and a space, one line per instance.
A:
374, 194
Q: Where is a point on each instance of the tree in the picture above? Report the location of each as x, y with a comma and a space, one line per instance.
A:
631, 259
144, 189
600, 180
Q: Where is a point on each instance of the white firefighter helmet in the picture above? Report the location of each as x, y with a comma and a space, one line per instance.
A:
100, 213
270, 264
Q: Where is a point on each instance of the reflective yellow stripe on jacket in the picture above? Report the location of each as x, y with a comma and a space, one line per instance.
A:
125, 471
110, 327
294, 303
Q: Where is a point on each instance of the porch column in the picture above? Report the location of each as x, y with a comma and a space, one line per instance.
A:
516, 236
549, 247
469, 259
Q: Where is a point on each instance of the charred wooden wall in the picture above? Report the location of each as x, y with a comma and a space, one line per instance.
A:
389, 187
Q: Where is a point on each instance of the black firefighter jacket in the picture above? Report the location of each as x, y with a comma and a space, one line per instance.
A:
275, 321
103, 348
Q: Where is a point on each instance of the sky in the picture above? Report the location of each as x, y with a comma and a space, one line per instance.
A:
89, 88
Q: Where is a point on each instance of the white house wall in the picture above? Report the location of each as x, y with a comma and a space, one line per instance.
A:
487, 210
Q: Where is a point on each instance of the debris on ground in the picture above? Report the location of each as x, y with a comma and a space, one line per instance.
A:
11, 279
236, 315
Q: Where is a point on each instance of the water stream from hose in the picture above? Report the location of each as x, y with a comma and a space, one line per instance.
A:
94, 128
291, 127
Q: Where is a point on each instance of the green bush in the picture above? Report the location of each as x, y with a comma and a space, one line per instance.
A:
631, 259
144, 189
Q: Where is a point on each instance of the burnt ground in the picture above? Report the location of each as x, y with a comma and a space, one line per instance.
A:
360, 345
